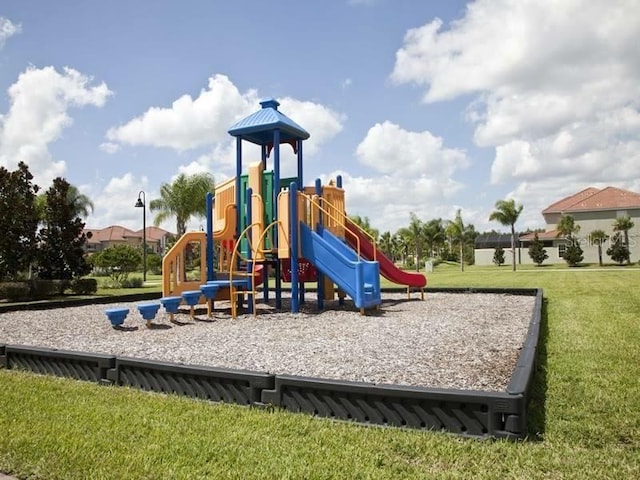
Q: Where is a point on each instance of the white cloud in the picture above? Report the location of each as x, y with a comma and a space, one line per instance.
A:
7, 30
553, 84
109, 147
204, 121
114, 205
189, 123
388, 148
415, 173
321, 122
38, 113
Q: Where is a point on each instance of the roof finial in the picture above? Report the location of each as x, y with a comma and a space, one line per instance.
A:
270, 103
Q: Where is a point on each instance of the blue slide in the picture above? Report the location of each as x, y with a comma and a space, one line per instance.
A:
360, 279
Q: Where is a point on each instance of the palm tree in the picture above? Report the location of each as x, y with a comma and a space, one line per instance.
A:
386, 244
567, 227
182, 198
364, 224
507, 213
414, 233
599, 237
433, 233
624, 224
81, 205
461, 235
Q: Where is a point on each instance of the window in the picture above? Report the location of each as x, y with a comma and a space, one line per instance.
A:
561, 249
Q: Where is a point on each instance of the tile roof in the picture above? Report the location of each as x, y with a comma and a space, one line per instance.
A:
589, 199
114, 233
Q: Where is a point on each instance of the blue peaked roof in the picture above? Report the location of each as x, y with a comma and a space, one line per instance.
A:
259, 126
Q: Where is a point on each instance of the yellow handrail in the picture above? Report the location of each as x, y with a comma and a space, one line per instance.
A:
343, 215
237, 255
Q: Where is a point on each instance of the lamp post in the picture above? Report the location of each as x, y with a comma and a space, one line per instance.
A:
142, 203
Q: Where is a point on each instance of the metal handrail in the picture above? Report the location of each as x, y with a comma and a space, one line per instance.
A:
343, 216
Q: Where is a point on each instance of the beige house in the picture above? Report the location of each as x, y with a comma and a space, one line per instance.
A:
100, 239
592, 209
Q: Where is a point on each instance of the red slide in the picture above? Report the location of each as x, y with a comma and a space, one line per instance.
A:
387, 267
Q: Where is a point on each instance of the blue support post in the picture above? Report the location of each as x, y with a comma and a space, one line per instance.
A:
263, 156
249, 250
210, 251
276, 190
300, 180
317, 227
293, 240
237, 186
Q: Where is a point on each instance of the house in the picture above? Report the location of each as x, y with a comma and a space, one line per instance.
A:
592, 209
99, 239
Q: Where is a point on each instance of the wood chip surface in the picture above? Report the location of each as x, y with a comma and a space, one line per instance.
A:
465, 341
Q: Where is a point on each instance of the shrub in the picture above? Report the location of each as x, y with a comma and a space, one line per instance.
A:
41, 288
133, 282
14, 291
119, 261
154, 263
84, 286
498, 256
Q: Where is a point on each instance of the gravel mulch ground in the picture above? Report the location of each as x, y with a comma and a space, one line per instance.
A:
449, 340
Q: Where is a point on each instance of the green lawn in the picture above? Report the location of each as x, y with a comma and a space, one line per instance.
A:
585, 418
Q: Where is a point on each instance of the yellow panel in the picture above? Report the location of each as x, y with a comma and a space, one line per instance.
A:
283, 216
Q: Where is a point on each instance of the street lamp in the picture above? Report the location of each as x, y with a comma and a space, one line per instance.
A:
142, 203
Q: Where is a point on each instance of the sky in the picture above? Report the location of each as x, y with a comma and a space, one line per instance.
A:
422, 106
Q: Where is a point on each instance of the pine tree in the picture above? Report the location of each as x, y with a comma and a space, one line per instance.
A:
61, 253
573, 255
536, 251
618, 251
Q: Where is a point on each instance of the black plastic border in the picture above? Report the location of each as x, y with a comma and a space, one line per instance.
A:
470, 413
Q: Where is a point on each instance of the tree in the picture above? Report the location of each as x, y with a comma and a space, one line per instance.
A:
567, 228
414, 237
61, 252
624, 224
573, 254
433, 234
18, 221
598, 237
363, 223
507, 213
118, 261
79, 203
498, 256
460, 235
536, 251
618, 251
386, 245
183, 198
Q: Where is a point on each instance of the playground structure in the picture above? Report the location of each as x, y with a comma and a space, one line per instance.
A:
260, 224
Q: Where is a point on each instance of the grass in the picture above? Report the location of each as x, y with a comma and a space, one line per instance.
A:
584, 419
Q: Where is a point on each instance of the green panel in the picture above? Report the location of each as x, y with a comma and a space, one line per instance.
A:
267, 196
